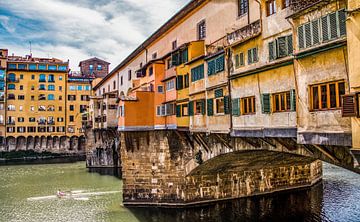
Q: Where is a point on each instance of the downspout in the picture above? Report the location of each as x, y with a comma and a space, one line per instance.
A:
294, 69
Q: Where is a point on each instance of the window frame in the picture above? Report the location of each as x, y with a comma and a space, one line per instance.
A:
250, 100
287, 101
328, 96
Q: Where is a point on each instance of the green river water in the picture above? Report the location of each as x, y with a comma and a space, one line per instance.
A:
27, 194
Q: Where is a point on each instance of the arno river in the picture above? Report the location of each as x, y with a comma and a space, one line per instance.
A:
27, 194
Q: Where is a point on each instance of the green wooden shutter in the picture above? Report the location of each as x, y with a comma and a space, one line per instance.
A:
250, 56
237, 60
203, 112
293, 100
325, 28
315, 32
236, 107
226, 104
220, 63
282, 47
175, 59
178, 111
342, 22
211, 67
301, 37
290, 44
201, 71
308, 35
333, 26
179, 82
265, 103
186, 80
242, 62
272, 51
218, 93
210, 107
191, 108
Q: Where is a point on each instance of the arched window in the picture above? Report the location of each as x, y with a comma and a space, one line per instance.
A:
51, 108
51, 97
51, 87
42, 87
11, 86
42, 78
11, 77
51, 78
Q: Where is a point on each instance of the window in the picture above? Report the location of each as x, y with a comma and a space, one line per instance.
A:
42, 120
42, 108
51, 87
72, 97
326, 28
201, 27
11, 86
71, 118
270, 7
79, 88
32, 77
51, 78
85, 98
12, 66
21, 129
179, 57
62, 68
99, 67
11, 97
170, 85
1, 119
71, 107
60, 88
60, 129
21, 119
22, 66
281, 47
20, 108
51, 97
239, 60
151, 71
174, 44
327, 96
216, 65
72, 88
51, 120
219, 102
32, 119
121, 80
91, 68
60, 97
42, 97
114, 85
87, 88
42, 87
32, 108
285, 3
60, 78
31, 129
281, 102
60, 119
129, 75
51, 108
200, 107
42, 78
154, 55
11, 77
10, 129
32, 67
184, 110
197, 73
41, 129
252, 55
243, 7
21, 76
11, 108
160, 89
21, 97
248, 105
50, 129
169, 63
21, 87
60, 108
52, 68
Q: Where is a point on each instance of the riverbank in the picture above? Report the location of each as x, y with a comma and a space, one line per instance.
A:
32, 157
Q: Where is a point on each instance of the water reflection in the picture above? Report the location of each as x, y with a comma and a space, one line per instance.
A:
301, 205
116, 172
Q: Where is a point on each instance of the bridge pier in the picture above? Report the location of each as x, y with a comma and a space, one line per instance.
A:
174, 168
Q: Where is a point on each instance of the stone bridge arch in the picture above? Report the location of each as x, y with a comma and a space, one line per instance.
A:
21, 143
11, 143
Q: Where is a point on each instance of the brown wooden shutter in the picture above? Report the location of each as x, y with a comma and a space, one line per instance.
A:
349, 108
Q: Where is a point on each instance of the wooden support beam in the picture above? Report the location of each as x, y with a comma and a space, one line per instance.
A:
224, 142
326, 153
265, 140
202, 142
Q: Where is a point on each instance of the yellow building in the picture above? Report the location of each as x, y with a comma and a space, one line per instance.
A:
78, 96
36, 97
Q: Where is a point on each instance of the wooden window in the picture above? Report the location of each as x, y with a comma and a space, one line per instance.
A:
270, 7
282, 102
327, 95
252, 55
197, 73
186, 81
281, 47
239, 60
350, 105
184, 110
179, 82
243, 7
201, 27
200, 107
219, 103
248, 105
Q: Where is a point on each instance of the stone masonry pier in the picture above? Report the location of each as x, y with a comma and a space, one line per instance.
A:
170, 168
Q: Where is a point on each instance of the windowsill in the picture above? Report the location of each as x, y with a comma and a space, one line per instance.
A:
241, 16
219, 114
285, 111
248, 114
324, 110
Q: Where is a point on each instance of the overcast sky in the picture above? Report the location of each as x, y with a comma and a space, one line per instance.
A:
79, 29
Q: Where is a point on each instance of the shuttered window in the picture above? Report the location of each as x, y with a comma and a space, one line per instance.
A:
191, 108
197, 73
252, 55
329, 27
265, 103
216, 65
236, 107
281, 47
226, 104
179, 57
186, 81
350, 106
218, 93
239, 60
210, 107
179, 82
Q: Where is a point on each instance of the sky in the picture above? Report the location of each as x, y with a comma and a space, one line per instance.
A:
81, 29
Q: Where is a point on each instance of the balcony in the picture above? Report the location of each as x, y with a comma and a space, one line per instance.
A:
42, 122
300, 5
244, 33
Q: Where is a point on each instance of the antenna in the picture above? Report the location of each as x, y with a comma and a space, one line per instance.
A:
30, 48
